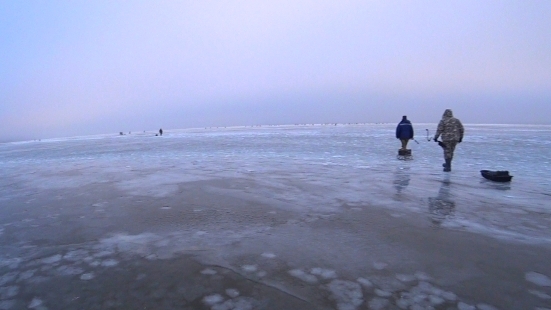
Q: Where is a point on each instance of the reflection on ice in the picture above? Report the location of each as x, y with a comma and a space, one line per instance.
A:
442, 207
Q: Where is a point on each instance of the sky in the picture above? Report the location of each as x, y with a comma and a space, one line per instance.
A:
91, 67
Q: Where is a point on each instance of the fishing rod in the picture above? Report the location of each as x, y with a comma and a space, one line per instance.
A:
428, 138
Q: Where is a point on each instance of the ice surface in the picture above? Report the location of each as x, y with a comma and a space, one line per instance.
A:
340, 161
301, 179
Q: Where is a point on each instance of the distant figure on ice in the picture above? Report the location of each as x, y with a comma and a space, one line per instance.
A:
404, 132
452, 132
161, 132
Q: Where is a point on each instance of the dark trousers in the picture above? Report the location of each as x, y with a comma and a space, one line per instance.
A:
404, 143
449, 149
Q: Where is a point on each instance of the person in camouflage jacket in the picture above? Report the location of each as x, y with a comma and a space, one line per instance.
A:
451, 130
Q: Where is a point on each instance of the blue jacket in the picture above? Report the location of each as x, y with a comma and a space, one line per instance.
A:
404, 130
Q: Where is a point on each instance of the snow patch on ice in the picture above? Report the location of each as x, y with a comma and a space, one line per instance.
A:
232, 292
268, 255
213, 299
378, 303
7, 304
324, 273
379, 265
405, 277
382, 293
208, 271
87, 276
537, 278
36, 302
347, 294
52, 259
249, 268
540, 294
8, 292
297, 273
463, 306
69, 270
235, 304
365, 282
109, 263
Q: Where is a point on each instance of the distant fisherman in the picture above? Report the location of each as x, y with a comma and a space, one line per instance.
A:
452, 132
404, 131
161, 131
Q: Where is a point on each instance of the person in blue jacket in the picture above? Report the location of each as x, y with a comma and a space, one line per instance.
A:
404, 132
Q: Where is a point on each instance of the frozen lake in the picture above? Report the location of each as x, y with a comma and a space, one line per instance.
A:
274, 217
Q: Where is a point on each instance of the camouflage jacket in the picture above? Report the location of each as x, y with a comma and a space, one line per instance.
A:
450, 128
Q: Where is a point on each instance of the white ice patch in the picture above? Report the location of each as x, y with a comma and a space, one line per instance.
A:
268, 255
103, 254
463, 306
261, 273
232, 292
405, 277
8, 277
324, 273
200, 233
69, 270
249, 268
109, 263
26, 275
297, 273
538, 278
213, 299
365, 282
8, 292
449, 296
379, 265
421, 276
75, 255
7, 304
382, 293
348, 295
87, 276
94, 263
378, 303
36, 302
208, 271
237, 304
52, 259
540, 294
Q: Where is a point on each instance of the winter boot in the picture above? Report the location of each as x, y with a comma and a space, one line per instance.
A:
448, 165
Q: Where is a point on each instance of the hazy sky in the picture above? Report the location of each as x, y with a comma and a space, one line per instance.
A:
87, 67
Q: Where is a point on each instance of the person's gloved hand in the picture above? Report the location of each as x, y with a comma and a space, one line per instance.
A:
460, 139
435, 139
